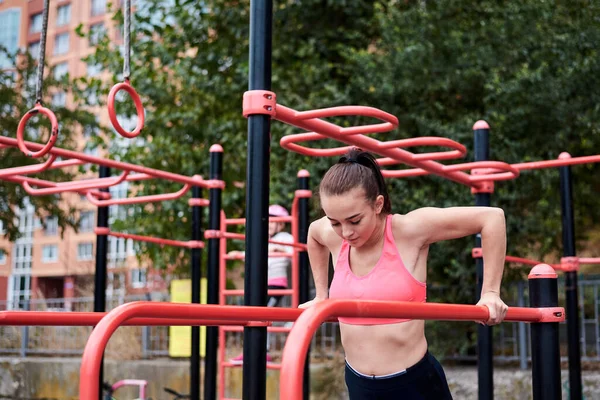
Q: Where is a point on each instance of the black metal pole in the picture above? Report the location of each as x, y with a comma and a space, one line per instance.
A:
257, 200
545, 352
212, 294
101, 267
303, 265
481, 133
571, 289
196, 276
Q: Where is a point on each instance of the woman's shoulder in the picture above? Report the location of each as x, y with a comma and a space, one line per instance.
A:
322, 231
402, 224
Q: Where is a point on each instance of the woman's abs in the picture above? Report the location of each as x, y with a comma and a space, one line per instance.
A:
383, 349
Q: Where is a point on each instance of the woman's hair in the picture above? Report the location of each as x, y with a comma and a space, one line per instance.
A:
356, 168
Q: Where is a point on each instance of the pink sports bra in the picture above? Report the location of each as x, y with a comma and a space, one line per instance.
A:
389, 280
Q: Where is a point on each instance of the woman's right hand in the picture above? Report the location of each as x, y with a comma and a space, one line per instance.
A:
312, 302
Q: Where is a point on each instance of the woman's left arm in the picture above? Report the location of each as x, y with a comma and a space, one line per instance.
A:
430, 225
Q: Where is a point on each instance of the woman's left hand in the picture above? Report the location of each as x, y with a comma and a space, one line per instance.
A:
496, 306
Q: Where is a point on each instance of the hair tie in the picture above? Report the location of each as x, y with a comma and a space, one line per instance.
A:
348, 160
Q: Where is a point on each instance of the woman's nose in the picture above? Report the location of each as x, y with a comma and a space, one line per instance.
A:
347, 232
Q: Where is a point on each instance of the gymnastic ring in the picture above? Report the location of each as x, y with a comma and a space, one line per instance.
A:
126, 86
37, 109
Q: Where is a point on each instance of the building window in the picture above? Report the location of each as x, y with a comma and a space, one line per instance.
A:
51, 226
10, 21
19, 291
63, 15
85, 251
61, 45
35, 23
98, 7
2, 257
138, 278
94, 69
59, 99
97, 32
34, 49
61, 70
86, 223
50, 253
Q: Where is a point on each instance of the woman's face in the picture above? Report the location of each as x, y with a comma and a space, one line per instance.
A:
352, 216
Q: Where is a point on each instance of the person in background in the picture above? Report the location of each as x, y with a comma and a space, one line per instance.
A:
277, 266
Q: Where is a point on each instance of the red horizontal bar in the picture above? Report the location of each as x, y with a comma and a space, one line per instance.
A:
140, 199
76, 186
123, 166
274, 254
296, 346
584, 260
242, 221
269, 365
270, 292
274, 329
241, 236
75, 318
191, 244
557, 163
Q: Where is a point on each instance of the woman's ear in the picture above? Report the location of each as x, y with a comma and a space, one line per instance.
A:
379, 201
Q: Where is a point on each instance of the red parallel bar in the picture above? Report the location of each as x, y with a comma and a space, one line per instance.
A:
155, 173
74, 318
309, 120
296, 346
191, 244
96, 344
589, 260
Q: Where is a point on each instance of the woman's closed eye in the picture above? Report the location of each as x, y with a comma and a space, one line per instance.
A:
355, 222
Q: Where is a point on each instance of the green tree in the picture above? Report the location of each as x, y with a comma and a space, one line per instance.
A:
531, 70
17, 96
190, 65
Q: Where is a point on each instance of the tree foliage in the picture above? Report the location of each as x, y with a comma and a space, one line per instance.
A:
529, 68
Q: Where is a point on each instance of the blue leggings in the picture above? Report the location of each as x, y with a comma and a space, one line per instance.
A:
423, 381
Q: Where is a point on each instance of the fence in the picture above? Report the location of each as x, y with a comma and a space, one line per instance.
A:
511, 340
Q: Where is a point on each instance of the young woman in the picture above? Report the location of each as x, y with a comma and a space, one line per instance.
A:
383, 256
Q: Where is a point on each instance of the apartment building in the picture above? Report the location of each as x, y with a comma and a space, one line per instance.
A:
42, 263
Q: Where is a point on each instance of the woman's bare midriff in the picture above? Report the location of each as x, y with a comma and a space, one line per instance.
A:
384, 349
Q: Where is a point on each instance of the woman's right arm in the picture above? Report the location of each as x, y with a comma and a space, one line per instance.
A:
318, 255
